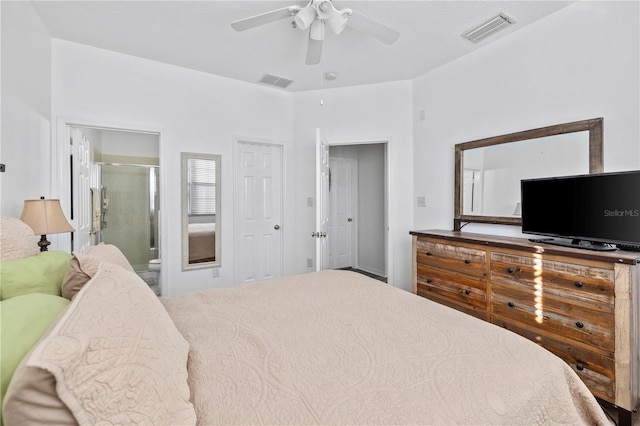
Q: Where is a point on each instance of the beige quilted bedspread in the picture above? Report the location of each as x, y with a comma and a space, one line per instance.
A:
336, 347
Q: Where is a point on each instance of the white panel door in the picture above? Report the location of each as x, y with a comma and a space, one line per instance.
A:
342, 212
258, 221
322, 202
81, 192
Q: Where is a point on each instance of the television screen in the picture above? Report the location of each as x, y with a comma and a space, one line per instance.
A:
596, 208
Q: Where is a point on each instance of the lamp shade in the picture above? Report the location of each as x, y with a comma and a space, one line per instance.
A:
518, 210
45, 217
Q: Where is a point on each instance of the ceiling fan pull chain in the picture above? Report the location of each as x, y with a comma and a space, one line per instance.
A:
321, 85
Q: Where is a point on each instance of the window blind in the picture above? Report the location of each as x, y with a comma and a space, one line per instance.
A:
202, 187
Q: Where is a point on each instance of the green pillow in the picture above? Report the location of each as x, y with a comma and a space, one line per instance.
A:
23, 320
42, 273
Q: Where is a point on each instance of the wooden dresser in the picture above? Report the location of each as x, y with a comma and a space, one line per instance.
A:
584, 306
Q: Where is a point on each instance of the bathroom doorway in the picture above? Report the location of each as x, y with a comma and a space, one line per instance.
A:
124, 195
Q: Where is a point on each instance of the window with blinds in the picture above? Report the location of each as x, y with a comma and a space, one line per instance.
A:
202, 187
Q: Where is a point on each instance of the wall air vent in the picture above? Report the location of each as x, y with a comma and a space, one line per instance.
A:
274, 80
490, 27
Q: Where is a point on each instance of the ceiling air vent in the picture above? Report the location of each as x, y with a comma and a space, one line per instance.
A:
274, 80
490, 27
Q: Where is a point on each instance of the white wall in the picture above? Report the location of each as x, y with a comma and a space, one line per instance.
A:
193, 111
579, 63
365, 113
26, 108
130, 144
371, 221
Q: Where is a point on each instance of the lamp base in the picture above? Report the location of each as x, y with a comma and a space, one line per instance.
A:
44, 243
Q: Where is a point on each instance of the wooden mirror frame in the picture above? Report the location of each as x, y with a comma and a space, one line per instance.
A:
596, 162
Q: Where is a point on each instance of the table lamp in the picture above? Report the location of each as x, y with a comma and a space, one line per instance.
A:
45, 217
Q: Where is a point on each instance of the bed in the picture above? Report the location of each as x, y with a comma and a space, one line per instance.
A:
333, 347
202, 242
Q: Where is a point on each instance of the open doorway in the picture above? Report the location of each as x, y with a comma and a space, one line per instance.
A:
115, 194
358, 206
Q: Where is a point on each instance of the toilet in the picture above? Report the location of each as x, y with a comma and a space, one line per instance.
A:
154, 265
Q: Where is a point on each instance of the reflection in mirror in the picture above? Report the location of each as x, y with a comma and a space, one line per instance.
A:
492, 174
200, 210
488, 171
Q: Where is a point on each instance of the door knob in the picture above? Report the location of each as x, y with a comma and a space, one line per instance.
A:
276, 227
349, 220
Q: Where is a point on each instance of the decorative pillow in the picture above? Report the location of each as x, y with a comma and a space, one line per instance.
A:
42, 273
85, 265
16, 239
115, 357
23, 320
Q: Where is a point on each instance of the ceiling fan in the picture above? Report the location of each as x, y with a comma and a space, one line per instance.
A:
317, 15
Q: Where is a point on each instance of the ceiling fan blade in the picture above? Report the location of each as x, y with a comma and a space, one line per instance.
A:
370, 27
264, 18
314, 52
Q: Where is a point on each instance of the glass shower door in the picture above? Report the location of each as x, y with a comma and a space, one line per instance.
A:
130, 221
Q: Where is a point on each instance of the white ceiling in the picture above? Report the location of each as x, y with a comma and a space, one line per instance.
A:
197, 35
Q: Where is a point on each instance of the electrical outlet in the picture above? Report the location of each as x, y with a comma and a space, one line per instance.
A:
216, 272
309, 201
309, 263
422, 201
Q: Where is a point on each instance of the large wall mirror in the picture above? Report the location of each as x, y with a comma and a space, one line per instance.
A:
200, 211
488, 171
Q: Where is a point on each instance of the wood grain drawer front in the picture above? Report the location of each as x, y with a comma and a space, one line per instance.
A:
466, 260
579, 283
460, 289
592, 326
595, 369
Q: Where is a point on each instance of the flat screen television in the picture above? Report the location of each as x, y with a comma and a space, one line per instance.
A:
596, 211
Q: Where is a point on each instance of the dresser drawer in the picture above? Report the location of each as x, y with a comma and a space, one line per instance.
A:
554, 315
465, 260
597, 370
459, 289
578, 283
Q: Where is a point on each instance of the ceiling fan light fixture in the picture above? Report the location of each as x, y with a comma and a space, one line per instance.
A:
337, 21
305, 16
316, 31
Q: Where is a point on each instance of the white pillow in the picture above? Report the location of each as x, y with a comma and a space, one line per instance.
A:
114, 356
16, 239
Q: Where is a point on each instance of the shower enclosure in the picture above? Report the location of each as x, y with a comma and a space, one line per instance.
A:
129, 220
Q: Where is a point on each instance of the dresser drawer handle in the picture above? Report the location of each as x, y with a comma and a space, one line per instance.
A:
467, 292
510, 270
429, 280
511, 304
579, 284
580, 367
579, 324
467, 261
428, 253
